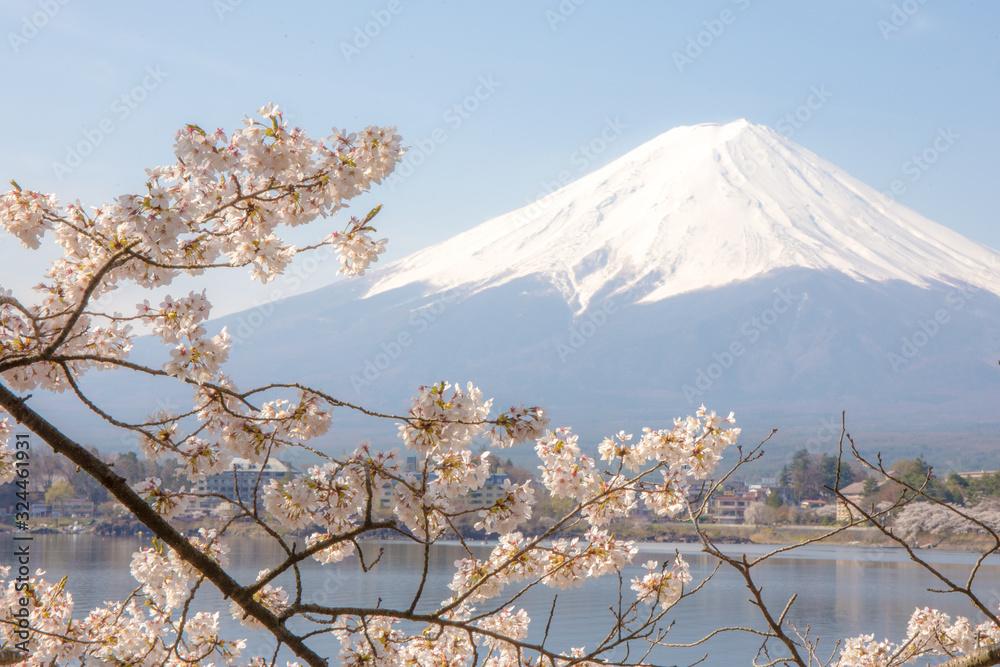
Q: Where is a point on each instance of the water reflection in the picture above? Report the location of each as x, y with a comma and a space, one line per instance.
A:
841, 592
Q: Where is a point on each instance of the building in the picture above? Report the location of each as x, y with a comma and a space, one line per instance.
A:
243, 475
238, 483
976, 474
489, 492
854, 494
484, 496
813, 504
729, 509
78, 508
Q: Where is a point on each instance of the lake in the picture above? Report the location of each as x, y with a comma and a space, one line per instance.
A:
843, 591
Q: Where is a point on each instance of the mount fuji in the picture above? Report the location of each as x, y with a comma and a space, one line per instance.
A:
699, 208
720, 264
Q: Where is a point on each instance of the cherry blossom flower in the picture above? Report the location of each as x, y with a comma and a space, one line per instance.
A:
166, 503
660, 585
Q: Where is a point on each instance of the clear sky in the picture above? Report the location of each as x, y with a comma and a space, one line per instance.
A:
866, 84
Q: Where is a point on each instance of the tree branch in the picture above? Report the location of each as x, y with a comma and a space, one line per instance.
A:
160, 527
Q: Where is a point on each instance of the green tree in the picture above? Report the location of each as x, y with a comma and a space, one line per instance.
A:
59, 492
88, 487
913, 471
830, 467
127, 465
958, 487
806, 476
975, 490
918, 474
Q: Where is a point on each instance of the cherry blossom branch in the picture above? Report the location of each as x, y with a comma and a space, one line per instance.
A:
299, 556
434, 620
965, 590
984, 657
122, 492
114, 261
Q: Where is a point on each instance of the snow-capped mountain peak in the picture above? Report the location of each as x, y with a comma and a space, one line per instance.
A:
699, 207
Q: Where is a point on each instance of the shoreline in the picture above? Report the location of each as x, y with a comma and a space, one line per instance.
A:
677, 533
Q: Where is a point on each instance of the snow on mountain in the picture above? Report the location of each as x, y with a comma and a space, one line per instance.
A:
700, 207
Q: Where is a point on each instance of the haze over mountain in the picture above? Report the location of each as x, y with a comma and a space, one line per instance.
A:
721, 264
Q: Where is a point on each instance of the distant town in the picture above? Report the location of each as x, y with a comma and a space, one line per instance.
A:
800, 495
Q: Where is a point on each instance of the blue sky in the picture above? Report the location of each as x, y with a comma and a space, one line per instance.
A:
534, 81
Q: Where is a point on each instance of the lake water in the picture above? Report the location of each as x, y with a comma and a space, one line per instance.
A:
842, 591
